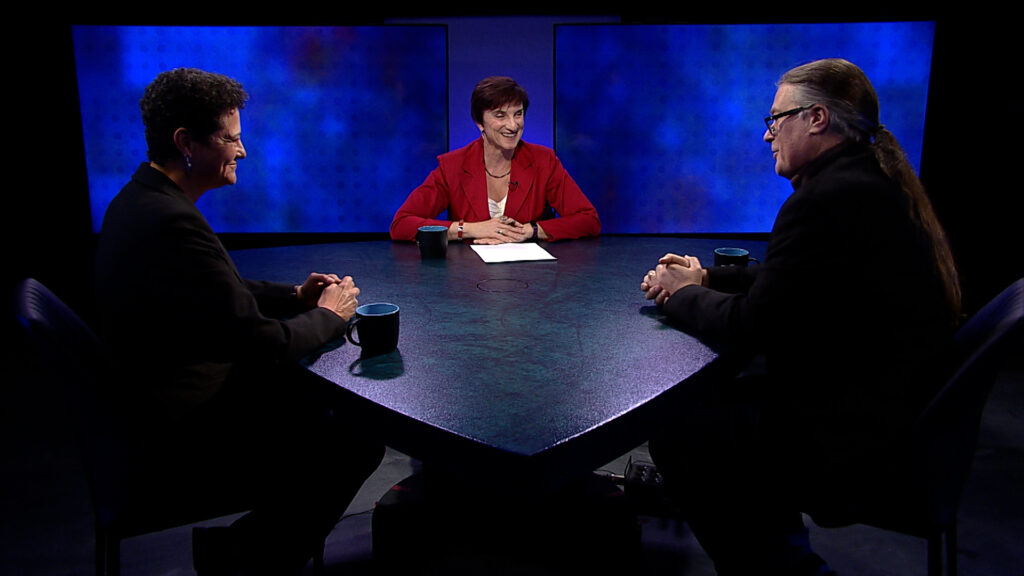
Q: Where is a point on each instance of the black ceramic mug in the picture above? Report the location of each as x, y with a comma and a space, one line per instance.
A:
732, 257
377, 326
433, 241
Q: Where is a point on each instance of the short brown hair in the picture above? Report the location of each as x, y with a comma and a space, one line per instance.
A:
494, 92
186, 98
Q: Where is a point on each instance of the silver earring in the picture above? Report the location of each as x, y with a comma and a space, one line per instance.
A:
188, 164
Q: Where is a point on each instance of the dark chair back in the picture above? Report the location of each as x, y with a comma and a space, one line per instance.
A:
67, 348
72, 359
925, 498
124, 505
946, 434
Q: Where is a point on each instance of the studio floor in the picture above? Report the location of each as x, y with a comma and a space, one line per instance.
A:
47, 520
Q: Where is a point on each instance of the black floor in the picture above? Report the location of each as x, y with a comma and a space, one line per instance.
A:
47, 522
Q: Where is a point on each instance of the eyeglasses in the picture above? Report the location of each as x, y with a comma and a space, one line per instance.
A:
770, 120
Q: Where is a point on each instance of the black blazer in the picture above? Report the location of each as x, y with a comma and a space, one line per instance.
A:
172, 308
847, 309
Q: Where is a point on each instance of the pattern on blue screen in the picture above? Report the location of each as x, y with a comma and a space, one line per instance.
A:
661, 125
341, 124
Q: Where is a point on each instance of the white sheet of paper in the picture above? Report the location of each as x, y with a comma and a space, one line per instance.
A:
525, 252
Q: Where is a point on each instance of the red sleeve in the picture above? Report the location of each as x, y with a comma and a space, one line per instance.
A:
422, 207
577, 216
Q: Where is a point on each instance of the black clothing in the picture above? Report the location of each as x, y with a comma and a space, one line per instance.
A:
849, 315
847, 309
172, 306
208, 382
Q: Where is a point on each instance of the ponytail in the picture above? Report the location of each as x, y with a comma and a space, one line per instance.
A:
894, 163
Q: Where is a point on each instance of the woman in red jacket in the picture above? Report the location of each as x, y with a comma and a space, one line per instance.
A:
499, 188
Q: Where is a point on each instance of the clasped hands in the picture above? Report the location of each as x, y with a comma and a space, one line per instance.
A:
499, 230
672, 273
329, 291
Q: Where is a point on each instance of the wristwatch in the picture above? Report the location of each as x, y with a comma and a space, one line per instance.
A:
534, 224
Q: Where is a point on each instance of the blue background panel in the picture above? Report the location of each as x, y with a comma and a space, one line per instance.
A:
662, 125
342, 122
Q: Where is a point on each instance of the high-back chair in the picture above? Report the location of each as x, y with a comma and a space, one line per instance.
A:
925, 501
72, 358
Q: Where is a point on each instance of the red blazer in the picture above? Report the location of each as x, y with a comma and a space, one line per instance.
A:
539, 184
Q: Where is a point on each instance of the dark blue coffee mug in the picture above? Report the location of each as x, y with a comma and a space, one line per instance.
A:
377, 326
433, 241
732, 257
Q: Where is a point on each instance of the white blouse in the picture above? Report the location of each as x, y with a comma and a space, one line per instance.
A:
496, 208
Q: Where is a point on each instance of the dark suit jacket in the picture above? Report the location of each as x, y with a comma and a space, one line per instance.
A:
459, 185
847, 309
173, 310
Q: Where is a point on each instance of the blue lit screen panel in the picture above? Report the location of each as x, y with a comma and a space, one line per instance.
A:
342, 122
662, 127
